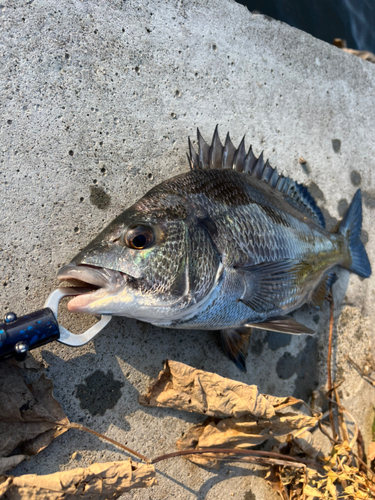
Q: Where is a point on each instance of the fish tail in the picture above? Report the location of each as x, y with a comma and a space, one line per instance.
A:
350, 228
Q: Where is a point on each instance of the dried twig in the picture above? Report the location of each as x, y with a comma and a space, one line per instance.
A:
238, 451
361, 451
266, 461
80, 427
341, 419
261, 457
359, 369
323, 431
329, 374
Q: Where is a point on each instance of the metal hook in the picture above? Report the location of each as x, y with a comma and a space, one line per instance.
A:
66, 337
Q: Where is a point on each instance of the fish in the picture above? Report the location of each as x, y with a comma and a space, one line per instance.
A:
229, 245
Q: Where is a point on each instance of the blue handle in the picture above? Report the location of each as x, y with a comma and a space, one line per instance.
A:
19, 335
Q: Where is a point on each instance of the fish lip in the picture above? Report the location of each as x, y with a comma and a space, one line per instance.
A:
100, 277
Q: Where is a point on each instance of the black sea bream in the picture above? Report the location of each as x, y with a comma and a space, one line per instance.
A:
229, 245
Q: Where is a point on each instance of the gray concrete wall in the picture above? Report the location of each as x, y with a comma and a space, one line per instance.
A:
97, 100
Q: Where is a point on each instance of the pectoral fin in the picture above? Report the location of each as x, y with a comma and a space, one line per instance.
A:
271, 283
283, 324
235, 342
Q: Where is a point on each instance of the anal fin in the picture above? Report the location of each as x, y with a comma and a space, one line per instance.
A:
283, 324
323, 290
235, 343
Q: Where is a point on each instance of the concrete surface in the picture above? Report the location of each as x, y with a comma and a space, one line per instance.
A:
97, 101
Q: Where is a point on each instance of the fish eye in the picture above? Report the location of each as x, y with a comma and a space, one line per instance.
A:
139, 237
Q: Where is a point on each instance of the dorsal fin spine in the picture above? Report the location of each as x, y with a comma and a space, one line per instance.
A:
239, 158
203, 151
250, 161
267, 172
215, 151
191, 164
274, 178
228, 153
218, 156
258, 167
193, 158
280, 183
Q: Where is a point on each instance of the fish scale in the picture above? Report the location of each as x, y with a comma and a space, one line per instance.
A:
230, 245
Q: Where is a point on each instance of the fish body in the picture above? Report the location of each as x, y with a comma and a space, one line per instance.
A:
229, 245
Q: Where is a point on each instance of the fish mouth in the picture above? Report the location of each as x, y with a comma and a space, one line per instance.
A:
102, 282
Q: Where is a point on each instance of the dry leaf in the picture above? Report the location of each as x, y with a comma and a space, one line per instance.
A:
29, 363
253, 417
240, 432
215, 433
185, 388
363, 54
304, 442
312, 492
8, 463
371, 451
30, 417
99, 482
281, 403
273, 479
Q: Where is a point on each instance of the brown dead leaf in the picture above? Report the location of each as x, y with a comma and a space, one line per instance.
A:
215, 433
185, 388
304, 442
30, 417
273, 479
29, 363
99, 481
240, 432
371, 452
253, 417
8, 463
312, 492
363, 54
281, 403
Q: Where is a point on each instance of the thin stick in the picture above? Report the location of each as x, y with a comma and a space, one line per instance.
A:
344, 410
334, 441
361, 451
356, 429
265, 461
80, 427
237, 451
340, 463
369, 471
359, 369
341, 418
329, 375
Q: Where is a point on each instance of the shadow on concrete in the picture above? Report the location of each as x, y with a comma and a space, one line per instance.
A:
220, 475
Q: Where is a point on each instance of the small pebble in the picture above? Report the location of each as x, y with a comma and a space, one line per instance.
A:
302, 160
74, 455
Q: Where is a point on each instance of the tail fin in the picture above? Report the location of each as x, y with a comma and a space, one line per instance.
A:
350, 228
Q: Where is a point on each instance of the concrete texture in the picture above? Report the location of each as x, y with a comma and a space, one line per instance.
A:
97, 100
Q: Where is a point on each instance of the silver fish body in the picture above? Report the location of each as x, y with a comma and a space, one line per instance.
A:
229, 245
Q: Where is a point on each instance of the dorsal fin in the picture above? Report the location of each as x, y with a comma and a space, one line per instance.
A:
203, 151
216, 151
228, 153
218, 156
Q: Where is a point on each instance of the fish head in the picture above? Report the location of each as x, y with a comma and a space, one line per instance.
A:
139, 263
